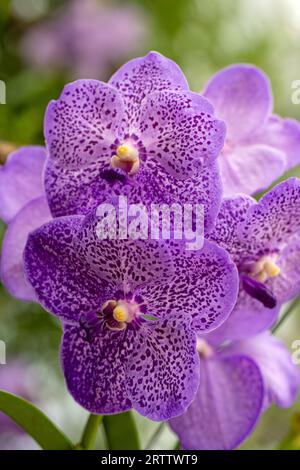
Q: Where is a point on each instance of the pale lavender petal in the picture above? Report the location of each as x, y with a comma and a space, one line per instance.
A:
140, 77
163, 371
204, 285
94, 366
179, 130
249, 169
74, 272
276, 218
21, 180
241, 96
249, 317
282, 134
226, 408
13, 277
80, 129
281, 376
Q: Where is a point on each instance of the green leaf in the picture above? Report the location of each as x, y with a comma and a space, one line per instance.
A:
121, 432
90, 432
34, 422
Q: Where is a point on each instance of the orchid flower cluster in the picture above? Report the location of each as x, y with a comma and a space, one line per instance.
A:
180, 336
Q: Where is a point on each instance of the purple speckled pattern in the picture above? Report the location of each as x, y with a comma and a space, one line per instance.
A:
259, 146
178, 130
146, 104
74, 273
205, 285
276, 218
250, 231
151, 366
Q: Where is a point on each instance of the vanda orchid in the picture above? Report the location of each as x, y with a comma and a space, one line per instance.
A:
260, 146
115, 357
175, 333
263, 240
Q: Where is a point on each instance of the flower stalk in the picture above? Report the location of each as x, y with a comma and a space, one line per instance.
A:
90, 432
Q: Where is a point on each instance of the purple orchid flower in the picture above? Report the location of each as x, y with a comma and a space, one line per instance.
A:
130, 309
259, 146
85, 38
23, 207
263, 240
143, 135
238, 382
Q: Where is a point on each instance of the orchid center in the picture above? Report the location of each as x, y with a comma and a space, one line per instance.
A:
204, 348
118, 313
126, 159
265, 268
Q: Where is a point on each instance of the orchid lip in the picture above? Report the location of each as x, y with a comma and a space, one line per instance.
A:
259, 291
119, 313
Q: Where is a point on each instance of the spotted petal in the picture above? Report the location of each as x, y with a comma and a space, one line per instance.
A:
80, 129
204, 285
79, 192
140, 77
163, 371
152, 366
233, 212
74, 272
276, 217
94, 367
179, 130
286, 286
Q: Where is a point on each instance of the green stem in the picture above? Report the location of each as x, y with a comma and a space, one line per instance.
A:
90, 432
289, 310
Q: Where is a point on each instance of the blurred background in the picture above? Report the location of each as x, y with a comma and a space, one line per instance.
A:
47, 43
